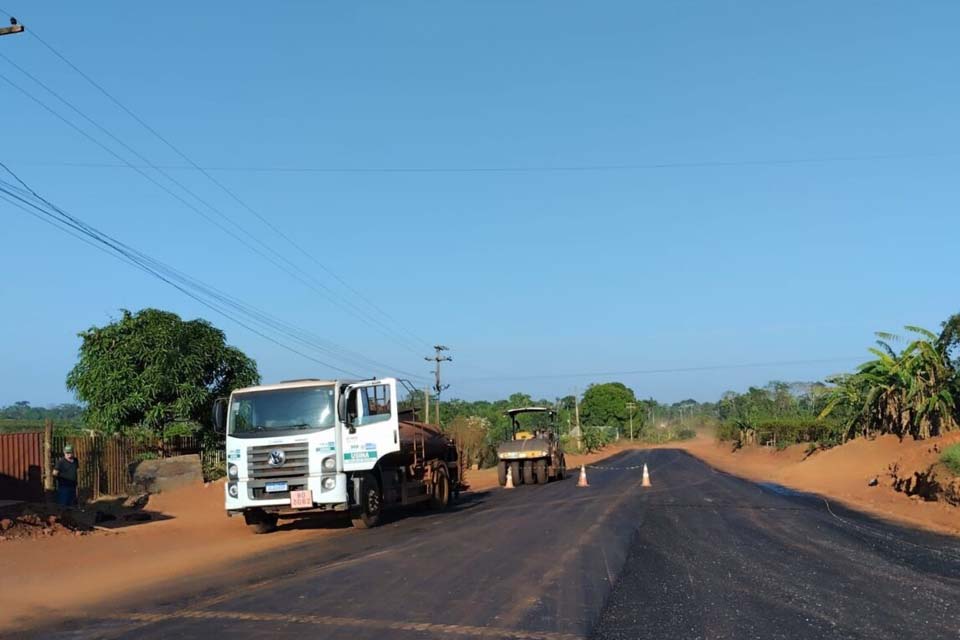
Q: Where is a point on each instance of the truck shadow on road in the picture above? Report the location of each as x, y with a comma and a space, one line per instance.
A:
340, 520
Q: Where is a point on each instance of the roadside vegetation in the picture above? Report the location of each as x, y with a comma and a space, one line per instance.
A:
911, 392
951, 458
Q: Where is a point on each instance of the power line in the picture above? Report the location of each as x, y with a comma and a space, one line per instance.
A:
221, 186
220, 302
291, 270
719, 367
202, 293
584, 168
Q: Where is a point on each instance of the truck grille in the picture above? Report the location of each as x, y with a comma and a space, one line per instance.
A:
295, 462
258, 491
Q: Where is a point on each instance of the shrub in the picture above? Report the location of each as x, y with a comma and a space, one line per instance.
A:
951, 458
781, 432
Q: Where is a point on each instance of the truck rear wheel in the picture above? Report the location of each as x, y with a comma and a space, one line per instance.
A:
502, 473
515, 472
528, 472
367, 513
440, 497
540, 471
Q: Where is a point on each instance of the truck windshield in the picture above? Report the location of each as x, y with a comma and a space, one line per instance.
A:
281, 410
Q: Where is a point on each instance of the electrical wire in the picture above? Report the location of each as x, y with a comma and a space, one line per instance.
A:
291, 270
719, 367
216, 182
205, 294
585, 168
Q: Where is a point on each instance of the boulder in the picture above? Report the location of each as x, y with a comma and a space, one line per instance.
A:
157, 476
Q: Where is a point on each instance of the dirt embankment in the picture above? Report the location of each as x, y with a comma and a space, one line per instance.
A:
904, 474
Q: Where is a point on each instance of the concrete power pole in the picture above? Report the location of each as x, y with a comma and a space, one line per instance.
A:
630, 407
576, 409
436, 358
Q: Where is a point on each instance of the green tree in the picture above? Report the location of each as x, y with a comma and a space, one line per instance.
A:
606, 405
913, 392
151, 369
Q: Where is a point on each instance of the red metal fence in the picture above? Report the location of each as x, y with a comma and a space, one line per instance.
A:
21, 466
106, 466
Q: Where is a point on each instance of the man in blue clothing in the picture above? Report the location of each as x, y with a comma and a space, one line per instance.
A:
66, 474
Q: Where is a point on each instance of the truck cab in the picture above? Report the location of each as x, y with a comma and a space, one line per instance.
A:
306, 446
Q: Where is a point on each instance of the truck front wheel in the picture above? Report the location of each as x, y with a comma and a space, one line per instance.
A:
261, 522
367, 513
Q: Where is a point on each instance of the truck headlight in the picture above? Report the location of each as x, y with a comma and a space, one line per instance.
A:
329, 483
329, 464
232, 471
233, 490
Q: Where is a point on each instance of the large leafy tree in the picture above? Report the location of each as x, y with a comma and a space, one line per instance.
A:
606, 405
151, 369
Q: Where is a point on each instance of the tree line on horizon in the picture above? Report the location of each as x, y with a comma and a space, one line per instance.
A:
151, 370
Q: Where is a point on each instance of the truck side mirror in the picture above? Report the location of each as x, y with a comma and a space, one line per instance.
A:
219, 415
343, 408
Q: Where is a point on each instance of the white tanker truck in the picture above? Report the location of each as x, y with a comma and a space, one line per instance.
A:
306, 446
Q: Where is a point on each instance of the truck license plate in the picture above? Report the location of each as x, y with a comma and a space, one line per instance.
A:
275, 487
301, 499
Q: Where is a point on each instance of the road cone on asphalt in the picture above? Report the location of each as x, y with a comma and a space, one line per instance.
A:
646, 477
582, 482
509, 483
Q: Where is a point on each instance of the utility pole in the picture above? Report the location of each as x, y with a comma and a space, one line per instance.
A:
426, 404
15, 27
436, 358
576, 408
630, 407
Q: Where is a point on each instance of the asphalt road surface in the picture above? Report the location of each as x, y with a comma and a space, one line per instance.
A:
699, 555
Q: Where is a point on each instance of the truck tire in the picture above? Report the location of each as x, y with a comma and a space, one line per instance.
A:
367, 514
528, 472
260, 522
440, 497
562, 471
515, 472
540, 472
502, 473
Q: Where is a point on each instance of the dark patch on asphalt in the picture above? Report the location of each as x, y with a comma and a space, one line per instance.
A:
790, 565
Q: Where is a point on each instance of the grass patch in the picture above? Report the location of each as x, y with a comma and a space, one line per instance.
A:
951, 458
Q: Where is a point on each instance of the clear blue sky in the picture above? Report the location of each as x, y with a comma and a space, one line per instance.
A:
721, 260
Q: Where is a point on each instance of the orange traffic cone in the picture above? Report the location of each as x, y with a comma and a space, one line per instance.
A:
582, 482
646, 477
509, 484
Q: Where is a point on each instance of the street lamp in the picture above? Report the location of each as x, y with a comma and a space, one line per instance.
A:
15, 27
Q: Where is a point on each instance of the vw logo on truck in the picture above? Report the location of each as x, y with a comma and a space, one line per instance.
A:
277, 458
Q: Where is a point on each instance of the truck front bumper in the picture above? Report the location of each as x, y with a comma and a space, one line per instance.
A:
239, 495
